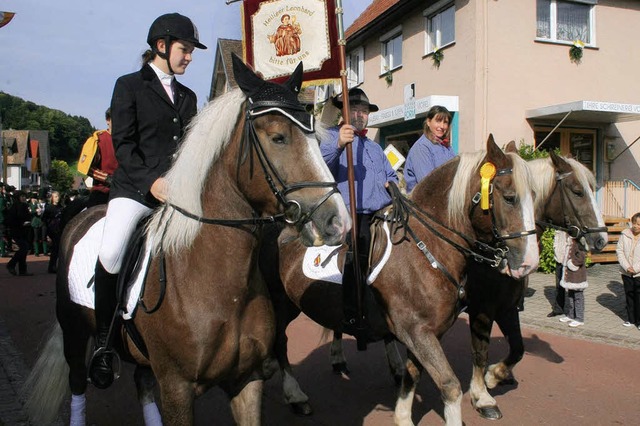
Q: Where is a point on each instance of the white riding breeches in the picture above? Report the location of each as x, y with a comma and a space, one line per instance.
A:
123, 214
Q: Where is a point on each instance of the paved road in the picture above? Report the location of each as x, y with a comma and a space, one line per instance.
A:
586, 376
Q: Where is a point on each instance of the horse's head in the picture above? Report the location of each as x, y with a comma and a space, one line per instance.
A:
502, 210
572, 203
294, 179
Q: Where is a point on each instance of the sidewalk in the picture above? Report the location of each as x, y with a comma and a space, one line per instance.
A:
604, 315
604, 308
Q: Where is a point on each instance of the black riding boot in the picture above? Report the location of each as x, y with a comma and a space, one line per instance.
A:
355, 321
100, 369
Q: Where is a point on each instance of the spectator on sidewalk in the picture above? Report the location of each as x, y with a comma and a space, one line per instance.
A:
52, 218
559, 250
4, 206
19, 222
628, 254
574, 280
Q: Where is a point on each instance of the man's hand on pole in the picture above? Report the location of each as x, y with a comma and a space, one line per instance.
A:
346, 135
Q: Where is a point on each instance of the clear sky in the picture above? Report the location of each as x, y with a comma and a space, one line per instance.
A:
67, 54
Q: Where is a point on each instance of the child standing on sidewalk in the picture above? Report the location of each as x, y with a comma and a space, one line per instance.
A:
628, 251
574, 280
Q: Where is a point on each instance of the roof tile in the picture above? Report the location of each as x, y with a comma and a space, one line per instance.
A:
375, 9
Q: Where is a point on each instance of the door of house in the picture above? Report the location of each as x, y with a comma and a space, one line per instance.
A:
580, 143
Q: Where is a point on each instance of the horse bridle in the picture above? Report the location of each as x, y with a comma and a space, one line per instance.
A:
501, 239
293, 211
575, 231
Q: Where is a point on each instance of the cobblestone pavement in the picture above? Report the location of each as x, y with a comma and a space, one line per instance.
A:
604, 308
604, 315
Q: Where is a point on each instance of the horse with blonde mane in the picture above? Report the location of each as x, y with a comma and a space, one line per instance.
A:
417, 268
565, 200
249, 158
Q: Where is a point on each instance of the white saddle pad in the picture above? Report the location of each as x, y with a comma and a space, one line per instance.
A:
83, 265
321, 264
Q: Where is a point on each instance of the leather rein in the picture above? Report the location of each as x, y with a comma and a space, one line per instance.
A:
293, 212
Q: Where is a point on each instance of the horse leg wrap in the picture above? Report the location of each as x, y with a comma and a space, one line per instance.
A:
151, 414
78, 410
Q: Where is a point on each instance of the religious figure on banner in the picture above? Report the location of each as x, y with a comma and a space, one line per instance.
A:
286, 39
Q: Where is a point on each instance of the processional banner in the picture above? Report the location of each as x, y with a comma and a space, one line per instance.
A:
5, 18
278, 34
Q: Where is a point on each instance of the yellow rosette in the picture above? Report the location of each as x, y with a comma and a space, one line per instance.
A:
487, 172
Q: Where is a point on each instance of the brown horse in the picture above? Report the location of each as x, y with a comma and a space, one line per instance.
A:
420, 298
248, 155
565, 200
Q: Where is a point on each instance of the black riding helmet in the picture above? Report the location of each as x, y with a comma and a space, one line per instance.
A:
171, 27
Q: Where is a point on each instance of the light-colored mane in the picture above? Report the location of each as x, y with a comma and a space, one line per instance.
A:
458, 209
206, 138
542, 185
544, 171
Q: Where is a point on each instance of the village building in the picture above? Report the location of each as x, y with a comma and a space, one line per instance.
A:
547, 73
28, 158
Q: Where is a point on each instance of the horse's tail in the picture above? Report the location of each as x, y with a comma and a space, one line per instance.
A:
47, 385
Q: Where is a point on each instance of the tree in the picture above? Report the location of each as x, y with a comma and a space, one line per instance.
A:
66, 132
61, 176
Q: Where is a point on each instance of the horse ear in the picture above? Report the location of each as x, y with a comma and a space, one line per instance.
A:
247, 80
295, 80
494, 153
559, 163
511, 147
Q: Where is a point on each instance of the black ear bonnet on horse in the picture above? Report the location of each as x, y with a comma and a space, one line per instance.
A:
265, 97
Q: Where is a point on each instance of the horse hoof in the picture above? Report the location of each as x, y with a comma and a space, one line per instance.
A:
490, 413
301, 408
341, 369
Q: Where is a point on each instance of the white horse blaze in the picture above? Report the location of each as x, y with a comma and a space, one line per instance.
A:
532, 254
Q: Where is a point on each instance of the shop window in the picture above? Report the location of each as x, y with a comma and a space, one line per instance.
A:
580, 143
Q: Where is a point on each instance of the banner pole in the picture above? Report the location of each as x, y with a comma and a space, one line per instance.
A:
346, 116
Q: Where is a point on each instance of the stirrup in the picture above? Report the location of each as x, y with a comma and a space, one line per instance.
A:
116, 363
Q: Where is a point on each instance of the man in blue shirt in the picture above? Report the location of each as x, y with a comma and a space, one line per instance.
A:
372, 174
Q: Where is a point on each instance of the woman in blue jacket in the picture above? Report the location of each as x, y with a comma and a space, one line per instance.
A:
432, 150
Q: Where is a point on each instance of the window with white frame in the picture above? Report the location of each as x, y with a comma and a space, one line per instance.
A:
441, 28
355, 67
391, 50
566, 21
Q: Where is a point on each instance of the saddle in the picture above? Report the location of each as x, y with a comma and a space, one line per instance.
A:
134, 262
376, 327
